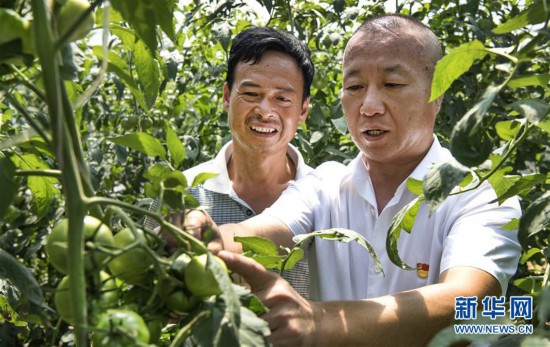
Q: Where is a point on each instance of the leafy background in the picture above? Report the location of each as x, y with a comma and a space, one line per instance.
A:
166, 66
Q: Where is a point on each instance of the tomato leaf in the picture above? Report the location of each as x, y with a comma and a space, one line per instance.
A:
20, 288
8, 185
175, 147
534, 14
470, 144
340, 235
119, 66
520, 186
257, 245
147, 69
141, 142
534, 110
440, 181
454, 64
403, 220
535, 218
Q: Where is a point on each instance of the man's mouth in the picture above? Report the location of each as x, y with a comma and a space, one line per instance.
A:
374, 132
263, 130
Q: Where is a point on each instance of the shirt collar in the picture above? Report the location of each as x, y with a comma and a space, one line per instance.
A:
222, 184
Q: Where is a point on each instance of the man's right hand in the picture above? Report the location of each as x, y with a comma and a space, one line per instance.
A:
199, 224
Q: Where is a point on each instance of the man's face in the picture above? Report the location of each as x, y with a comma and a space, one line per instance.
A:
385, 96
265, 104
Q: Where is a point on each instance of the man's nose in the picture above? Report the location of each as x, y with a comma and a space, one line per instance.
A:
265, 108
373, 103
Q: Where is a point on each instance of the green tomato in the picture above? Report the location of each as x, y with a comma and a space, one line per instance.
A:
105, 297
12, 25
199, 278
69, 14
180, 302
133, 266
95, 231
120, 327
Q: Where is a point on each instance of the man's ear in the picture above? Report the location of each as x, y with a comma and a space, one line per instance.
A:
226, 96
305, 109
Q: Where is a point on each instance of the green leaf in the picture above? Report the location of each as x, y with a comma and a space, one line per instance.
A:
414, 186
257, 245
520, 186
501, 182
203, 176
148, 72
141, 142
43, 188
175, 147
534, 110
173, 190
341, 125
253, 330
293, 257
140, 14
454, 64
440, 181
126, 35
527, 255
512, 225
19, 286
535, 218
403, 220
534, 14
118, 66
508, 129
12, 26
340, 235
8, 185
534, 80
470, 144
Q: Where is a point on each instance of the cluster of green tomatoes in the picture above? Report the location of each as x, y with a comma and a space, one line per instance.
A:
124, 274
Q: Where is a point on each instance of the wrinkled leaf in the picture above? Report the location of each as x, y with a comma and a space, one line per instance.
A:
508, 129
203, 176
8, 185
257, 245
535, 218
175, 147
340, 235
403, 220
470, 144
534, 80
521, 185
141, 142
147, 69
440, 181
534, 110
43, 188
118, 66
454, 64
20, 287
511, 225
414, 186
534, 14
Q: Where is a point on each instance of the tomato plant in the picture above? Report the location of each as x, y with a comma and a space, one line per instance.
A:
100, 126
124, 266
199, 277
121, 327
96, 233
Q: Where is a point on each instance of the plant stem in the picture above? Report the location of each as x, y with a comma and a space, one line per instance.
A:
45, 173
63, 149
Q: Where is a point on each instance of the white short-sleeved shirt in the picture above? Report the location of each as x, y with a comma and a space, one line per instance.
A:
225, 206
463, 231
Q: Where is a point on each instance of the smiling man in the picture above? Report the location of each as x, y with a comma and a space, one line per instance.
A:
458, 251
266, 96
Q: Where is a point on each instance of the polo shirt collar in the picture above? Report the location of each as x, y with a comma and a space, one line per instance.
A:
222, 184
361, 178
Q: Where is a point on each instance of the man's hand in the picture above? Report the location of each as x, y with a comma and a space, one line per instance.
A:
290, 317
199, 224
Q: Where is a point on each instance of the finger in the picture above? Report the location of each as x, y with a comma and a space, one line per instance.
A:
253, 273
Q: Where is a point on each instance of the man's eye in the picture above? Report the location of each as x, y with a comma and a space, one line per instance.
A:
353, 88
393, 85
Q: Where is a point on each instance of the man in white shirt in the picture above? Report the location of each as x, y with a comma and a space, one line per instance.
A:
459, 250
266, 96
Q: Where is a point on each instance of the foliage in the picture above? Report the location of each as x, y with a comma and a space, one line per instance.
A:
146, 100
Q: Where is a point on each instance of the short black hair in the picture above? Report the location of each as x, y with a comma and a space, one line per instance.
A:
250, 44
